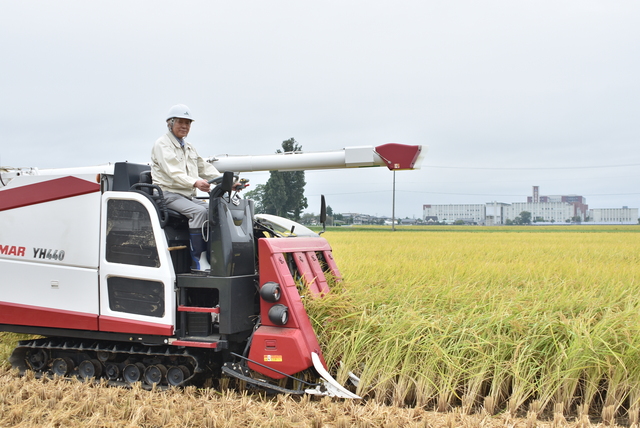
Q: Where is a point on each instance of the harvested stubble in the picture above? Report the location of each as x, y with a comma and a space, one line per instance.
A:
29, 402
526, 323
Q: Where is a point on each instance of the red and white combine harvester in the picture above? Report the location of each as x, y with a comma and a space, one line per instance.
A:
92, 261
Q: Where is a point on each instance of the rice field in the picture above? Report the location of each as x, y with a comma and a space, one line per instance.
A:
525, 320
460, 326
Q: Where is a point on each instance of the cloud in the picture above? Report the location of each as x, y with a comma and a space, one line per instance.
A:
483, 84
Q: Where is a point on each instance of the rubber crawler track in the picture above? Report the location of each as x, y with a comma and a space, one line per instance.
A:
112, 358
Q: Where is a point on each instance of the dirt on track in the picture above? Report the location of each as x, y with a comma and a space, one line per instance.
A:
29, 402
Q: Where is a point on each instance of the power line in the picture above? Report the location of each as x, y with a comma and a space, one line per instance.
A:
531, 168
461, 194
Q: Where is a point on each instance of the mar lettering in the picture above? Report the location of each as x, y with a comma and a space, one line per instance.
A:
12, 250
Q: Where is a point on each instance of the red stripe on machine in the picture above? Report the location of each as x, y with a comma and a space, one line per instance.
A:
17, 314
129, 326
46, 191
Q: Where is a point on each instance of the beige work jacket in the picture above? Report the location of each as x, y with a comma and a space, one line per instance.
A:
176, 169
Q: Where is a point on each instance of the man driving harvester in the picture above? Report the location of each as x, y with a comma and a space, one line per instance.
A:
178, 169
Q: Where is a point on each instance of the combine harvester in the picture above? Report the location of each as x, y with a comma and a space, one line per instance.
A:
92, 260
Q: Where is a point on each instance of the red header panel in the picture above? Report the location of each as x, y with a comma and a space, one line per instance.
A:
46, 191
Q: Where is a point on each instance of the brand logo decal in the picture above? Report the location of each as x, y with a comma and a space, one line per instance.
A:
12, 250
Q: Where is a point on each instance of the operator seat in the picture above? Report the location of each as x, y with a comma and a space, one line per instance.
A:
145, 177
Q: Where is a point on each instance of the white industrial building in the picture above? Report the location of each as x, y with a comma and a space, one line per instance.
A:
469, 213
548, 212
543, 209
624, 215
497, 213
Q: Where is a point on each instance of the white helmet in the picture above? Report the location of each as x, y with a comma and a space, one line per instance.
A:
181, 111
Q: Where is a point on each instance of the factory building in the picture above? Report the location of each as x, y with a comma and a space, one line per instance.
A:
624, 215
468, 213
543, 208
548, 212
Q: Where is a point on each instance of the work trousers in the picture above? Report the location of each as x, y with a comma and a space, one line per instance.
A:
196, 210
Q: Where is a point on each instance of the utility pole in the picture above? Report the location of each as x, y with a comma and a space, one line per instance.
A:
393, 205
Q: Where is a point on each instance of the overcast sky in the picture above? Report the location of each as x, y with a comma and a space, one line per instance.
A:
505, 94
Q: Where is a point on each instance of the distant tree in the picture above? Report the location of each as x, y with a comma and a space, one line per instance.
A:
509, 222
525, 217
458, 222
309, 218
330, 218
257, 195
284, 192
576, 219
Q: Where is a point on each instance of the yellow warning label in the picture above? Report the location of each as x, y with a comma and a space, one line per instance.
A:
273, 358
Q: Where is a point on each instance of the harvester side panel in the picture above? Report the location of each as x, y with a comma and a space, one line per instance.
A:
49, 252
28, 296
60, 231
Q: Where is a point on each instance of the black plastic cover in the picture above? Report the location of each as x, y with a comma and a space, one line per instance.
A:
136, 296
231, 237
